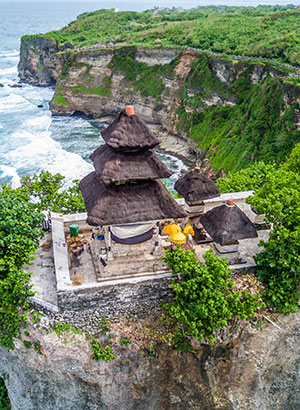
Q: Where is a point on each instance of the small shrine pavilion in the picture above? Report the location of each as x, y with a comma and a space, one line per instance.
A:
227, 224
125, 199
195, 187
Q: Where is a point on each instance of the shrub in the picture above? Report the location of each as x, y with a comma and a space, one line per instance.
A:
48, 192
246, 179
101, 352
278, 265
4, 399
125, 341
204, 299
279, 269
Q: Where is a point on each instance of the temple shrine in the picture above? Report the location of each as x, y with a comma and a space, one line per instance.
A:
125, 199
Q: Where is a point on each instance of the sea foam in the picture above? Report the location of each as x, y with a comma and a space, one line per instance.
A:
9, 175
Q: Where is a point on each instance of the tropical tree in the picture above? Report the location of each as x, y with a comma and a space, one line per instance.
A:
204, 298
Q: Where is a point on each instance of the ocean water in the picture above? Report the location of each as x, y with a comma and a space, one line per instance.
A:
31, 139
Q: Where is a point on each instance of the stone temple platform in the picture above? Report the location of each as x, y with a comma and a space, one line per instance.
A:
62, 280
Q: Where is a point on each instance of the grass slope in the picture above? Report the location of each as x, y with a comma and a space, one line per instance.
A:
232, 30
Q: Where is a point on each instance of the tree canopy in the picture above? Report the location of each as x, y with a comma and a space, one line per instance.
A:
204, 298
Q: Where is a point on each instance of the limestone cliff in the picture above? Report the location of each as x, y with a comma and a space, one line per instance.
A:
260, 371
39, 64
212, 102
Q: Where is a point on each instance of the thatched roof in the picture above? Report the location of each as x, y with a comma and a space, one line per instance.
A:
128, 132
127, 203
113, 166
195, 187
227, 223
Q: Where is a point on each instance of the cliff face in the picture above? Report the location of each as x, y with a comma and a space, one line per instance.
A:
39, 64
95, 87
259, 371
231, 111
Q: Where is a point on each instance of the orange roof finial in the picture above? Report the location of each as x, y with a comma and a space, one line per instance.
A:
129, 110
230, 202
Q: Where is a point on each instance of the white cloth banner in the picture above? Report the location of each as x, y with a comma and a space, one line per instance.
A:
129, 231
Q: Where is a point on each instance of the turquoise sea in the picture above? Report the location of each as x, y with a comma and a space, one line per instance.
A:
31, 139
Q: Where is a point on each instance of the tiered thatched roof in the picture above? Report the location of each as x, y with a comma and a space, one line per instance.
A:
124, 188
127, 203
195, 187
129, 132
113, 166
227, 223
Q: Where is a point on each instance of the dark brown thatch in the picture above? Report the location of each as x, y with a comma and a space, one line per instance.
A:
195, 187
127, 203
128, 132
226, 224
113, 166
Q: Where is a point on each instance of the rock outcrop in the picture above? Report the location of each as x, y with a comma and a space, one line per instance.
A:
259, 371
175, 92
39, 64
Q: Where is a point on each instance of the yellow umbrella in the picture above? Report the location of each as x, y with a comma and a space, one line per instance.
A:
171, 229
178, 237
188, 230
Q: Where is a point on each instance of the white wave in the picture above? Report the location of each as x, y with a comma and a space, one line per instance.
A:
13, 60
36, 124
40, 152
10, 70
11, 53
11, 174
13, 103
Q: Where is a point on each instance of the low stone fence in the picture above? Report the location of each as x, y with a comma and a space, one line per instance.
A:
85, 306
126, 297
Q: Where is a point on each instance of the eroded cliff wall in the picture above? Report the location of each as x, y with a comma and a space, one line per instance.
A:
258, 371
232, 111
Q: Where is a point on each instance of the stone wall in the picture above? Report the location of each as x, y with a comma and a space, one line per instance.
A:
126, 297
85, 306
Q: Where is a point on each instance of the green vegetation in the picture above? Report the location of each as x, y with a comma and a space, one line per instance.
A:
256, 128
101, 352
62, 328
246, 179
36, 317
60, 100
147, 79
278, 198
104, 326
102, 91
125, 341
46, 189
37, 347
4, 399
19, 238
204, 298
27, 344
279, 262
230, 30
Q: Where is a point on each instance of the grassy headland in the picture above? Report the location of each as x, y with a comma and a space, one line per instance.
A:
237, 121
265, 31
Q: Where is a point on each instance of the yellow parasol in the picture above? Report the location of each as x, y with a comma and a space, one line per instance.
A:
188, 230
171, 229
178, 237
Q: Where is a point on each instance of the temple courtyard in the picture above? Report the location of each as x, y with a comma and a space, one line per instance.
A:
57, 267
